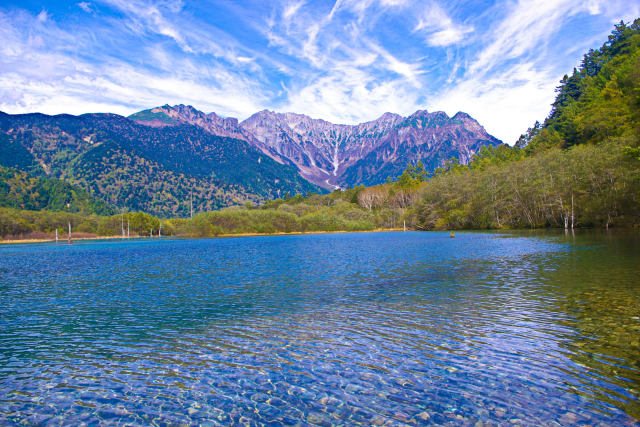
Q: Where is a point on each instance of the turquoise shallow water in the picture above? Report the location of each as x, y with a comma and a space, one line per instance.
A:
372, 328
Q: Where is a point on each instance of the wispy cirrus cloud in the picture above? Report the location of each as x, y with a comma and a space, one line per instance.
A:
65, 82
346, 60
441, 30
509, 81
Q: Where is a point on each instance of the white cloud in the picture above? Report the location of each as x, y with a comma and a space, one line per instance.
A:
528, 26
593, 6
440, 28
121, 89
63, 83
394, 3
86, 6
505, 105
410, 71
351, 96
42, 16
291, 9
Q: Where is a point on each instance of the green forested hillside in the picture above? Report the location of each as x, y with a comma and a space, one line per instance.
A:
130, 180
599, 101
21, 190
588, 185
581, 167
133, 166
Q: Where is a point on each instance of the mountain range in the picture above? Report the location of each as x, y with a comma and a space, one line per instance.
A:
333, 155
169, 159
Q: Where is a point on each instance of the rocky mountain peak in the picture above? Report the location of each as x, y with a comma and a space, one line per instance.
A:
461, 115
335, 155
388, 117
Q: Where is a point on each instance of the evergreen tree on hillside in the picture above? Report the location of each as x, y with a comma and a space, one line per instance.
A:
600, 99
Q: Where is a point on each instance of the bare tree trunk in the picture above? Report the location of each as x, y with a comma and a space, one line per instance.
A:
69, 236
563, 214
572, 215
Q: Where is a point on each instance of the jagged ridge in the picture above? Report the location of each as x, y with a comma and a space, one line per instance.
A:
334, 155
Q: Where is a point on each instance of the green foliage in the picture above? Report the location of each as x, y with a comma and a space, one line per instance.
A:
413, 175
142, 223
311, 213
599, 101
632, 152
22, 191
450, 166
137, 167
491, 156
17, 223
584, 186
526, 138
15, 155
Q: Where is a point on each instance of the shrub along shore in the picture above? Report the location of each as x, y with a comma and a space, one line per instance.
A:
336, 212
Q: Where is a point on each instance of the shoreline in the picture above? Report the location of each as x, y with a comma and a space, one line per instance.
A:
280, 233
224, 235
294, 233
21, 241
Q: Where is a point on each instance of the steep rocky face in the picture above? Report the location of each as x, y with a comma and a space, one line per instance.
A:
312, 145
333, 155
431, 138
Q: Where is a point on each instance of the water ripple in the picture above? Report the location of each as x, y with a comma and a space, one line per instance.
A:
385, 328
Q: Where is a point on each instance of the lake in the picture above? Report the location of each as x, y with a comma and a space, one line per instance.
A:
373, 328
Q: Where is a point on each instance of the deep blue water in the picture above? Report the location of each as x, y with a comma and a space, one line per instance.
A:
371, 328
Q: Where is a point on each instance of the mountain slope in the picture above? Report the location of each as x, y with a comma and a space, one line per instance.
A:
21, 190
428, 137
600, 100
167, 116
152, 168
333, 155
371, 152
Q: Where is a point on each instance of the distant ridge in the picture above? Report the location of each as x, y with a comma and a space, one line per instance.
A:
153, 168
157, 160
333, 155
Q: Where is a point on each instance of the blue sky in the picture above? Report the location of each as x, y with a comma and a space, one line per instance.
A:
344, 61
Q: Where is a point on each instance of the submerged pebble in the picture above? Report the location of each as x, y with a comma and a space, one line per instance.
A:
387, 329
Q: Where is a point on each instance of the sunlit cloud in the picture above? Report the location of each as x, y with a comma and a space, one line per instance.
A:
346, 61
440, 28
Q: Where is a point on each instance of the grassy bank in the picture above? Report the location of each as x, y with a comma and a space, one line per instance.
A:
340, 211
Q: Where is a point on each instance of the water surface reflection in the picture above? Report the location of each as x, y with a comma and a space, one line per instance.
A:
369, 328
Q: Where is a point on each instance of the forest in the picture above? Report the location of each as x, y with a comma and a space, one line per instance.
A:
155, 170
579, 168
